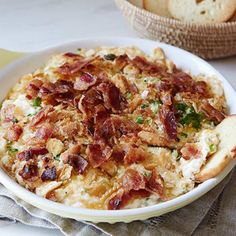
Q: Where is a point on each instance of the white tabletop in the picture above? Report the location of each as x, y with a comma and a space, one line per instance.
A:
32, 25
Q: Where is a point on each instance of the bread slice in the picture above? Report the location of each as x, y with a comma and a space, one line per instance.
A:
137, 3
202, 11
226, 131
158, 7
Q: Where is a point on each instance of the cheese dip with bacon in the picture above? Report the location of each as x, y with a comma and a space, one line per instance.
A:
110, 128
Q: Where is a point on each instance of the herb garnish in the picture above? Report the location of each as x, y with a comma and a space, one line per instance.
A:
110, 57
37, 102
188, 116
212, 147
57, 157
149, 121
10, 149
139, 120
129, 95
143, 106
184, 135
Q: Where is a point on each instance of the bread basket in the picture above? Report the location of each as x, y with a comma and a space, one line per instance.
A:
209, 41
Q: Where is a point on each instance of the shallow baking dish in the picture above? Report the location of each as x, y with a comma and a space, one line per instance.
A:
182, 59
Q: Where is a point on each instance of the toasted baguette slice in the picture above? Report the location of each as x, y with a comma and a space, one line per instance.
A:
158, 7
226, 131
202, 11
137, 3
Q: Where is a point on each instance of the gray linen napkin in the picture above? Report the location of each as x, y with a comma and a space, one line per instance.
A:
212, 214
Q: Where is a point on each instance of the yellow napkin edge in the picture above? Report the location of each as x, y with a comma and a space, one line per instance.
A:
7, 57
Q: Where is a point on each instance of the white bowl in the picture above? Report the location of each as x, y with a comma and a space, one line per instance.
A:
182, 59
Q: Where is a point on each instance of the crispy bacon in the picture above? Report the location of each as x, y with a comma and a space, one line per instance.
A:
70, 151
46, 89
133, 180
200, 87
59, 92
70, 69
166, 98
45, 131
29, 171
33, 88
115, 127
62, 86
101, 114
135, 185
29, 154
63, 98
41, 116
144, 65
117, 201
85, 81
112, 97
164, 85
168, 119
190, 151
78, 163
50, 173
118, 155
121, 61
98, 154
7, 112
88, 101
14, 132
122, 198
155, 184
211, 112
73, 55
183, 82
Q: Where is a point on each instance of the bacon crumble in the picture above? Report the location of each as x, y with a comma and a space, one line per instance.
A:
14, 132
49, 174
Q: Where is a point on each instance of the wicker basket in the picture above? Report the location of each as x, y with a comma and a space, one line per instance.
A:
209, 41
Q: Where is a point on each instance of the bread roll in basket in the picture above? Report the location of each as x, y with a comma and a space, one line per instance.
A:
209, 41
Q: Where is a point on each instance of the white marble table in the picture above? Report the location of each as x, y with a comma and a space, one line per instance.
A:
32, 25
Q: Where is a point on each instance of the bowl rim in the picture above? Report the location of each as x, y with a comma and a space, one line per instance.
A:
175, 22
110, 215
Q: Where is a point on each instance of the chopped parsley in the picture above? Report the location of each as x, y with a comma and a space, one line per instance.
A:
143, 106
37, 102
139, 120
110, 57
147, 174
212, 147
10, 149
184, 135
149, 121
129, 95
181, 107
57, 157
188, 116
